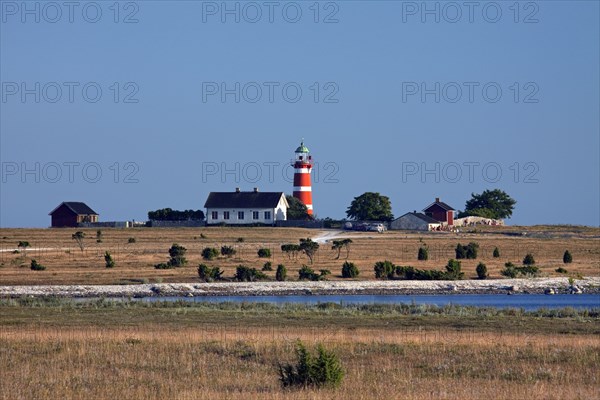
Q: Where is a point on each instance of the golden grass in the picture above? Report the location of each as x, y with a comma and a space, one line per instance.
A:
66, 264
152, 361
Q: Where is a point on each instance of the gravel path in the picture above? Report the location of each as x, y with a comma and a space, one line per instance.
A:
536, 285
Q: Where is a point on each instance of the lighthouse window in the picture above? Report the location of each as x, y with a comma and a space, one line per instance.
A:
225, 214
254, 214
215, 215
267, 214
240, 215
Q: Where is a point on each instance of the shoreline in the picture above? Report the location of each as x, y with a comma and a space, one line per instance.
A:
588, 285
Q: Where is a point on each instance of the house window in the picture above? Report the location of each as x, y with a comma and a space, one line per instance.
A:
225, 214
254, 214
240, 215
214, 215
268, 215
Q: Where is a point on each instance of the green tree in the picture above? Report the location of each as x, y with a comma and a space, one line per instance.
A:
494, 204
247, 274
453, 270
370, 206
567, 257
281, 273
320, 371
309, 247
338, 245
496, 253
264, 253
177, 254
209, 253
297, 211
78, 238
208, 274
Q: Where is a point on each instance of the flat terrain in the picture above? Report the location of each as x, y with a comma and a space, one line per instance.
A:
67, 264
103, 350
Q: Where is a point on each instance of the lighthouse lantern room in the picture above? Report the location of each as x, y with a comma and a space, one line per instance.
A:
303, 164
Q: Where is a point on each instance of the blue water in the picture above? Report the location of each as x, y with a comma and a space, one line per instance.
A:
529, 302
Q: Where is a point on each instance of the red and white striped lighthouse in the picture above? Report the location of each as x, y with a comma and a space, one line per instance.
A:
302, 168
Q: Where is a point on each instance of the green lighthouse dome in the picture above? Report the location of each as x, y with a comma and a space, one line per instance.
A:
302, 148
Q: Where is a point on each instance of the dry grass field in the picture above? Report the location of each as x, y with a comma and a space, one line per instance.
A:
135, 352
66, 264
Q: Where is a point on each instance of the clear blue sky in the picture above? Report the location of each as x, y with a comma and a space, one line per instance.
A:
375, 124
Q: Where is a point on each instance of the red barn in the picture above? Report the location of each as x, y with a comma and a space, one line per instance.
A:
440, 211
71, 213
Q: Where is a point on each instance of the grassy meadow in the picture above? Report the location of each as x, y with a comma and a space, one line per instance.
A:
67, 264
105, 350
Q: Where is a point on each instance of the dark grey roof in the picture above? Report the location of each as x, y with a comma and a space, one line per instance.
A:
423, 217
441, 204
243, 199
76, 207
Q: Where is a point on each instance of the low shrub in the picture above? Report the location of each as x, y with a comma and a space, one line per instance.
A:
512, 271
423, 254
268, 266
240, 240
247, 274
481, 270
37, 267
384, 270
567, 257
131, 240
164, 266
561, 270
496, 253
528, 260
281, 273
323, 370
308, 274
467, 252
208, 274
349, 270
209, 253
264, 253
227, 251
108, 260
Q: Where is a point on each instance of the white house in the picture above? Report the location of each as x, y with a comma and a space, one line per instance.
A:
244, 208
414, 221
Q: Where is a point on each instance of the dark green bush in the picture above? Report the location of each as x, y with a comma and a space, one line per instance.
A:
384, 270
37, 267
227, 251
247, 274
349, 270
208, 274
496, 253
414, 274
308, 274
210, 253
177, 254
561, 270
512, 271
324, 370
467, 252
131, 240
268, 266
264, 253
528, 260
108, 260
240, 240
423, 254
453, 270
481, 270
567, 257
281, 273
164, 266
